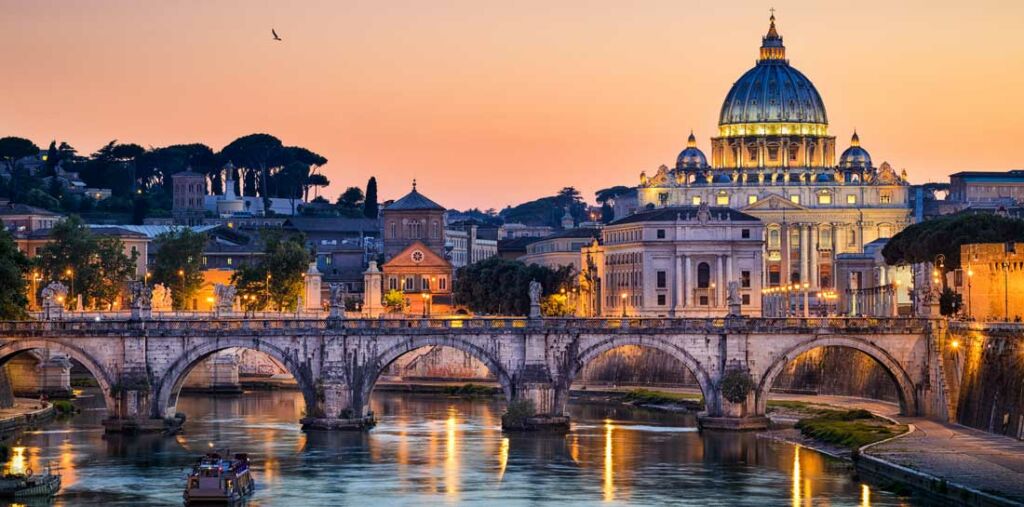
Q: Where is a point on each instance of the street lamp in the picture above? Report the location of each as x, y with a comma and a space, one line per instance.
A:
426, 302
712, 298
623, 298
970, 275
806, 298
71, 273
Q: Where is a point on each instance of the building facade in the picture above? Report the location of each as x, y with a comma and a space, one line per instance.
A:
188, 197
413, 218
674, 261
561, 249
774, 159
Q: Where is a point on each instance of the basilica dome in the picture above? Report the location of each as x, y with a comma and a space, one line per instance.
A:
773, 92
691, 157
855, 157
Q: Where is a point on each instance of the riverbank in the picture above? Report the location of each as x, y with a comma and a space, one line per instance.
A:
943, 463
25, 412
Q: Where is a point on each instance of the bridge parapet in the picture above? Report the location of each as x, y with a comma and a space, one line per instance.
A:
286, 324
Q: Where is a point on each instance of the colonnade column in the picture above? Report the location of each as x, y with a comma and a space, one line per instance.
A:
678, 280
784, 278
804, 251
688, 281
813, 252
718, 276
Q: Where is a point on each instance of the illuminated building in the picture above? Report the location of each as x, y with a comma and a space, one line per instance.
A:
773, 158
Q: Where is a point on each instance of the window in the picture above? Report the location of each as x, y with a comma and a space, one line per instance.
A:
773, 238
824, 198
746, 299
722, 199
661, 300
661, 233
230, 261
745, 279
703, 275
393, 230
773, 276
745, 233
851, 237
408, 285
662, 280
424, 283
851, 199
442, 283
695, 200
204, 260
885, 198
795, 198
751, 199
328, 259
393, 283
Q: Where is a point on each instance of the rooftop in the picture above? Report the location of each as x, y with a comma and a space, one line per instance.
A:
673, 213
414, 201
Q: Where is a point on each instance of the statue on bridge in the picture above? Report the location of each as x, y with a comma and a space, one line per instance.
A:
161, 300
337, 301
224, 295
535, 292
734, 300
141, 300
55, 296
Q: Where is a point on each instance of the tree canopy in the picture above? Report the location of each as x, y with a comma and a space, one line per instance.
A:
13, 267
178, 264
548, 210
95, 267
922, 242
276, 281
501, 287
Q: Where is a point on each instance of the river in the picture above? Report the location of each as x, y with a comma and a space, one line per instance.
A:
441, 451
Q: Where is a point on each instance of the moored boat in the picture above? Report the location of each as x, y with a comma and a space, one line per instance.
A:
215, 480
19, 481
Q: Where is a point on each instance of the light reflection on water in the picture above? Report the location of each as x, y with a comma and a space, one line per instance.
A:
429, 451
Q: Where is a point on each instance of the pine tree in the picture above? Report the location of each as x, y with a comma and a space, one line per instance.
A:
370, 207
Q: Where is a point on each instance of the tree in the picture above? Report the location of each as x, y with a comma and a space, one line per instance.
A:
178, 264
607, 213
370, 206
13, 267
394, 301
609, 194
277, 280
548, 210
350, 202
501, 287
91, 266
258, 154
12, 150
924, 241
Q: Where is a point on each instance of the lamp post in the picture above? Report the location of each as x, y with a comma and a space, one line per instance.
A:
622, 297
71, 273
426, 303
970, 275
36, 278
807, 308
181, 278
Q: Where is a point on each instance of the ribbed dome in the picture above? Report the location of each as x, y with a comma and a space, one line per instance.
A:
691, 157
773, 91
855, 157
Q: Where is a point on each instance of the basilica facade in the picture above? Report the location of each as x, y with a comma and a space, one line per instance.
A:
774, 159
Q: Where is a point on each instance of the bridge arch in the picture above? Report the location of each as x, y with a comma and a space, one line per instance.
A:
169, 385
588, 354
904, 384
103, 379
384, 359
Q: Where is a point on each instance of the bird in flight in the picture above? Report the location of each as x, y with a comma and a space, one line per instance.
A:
274, 32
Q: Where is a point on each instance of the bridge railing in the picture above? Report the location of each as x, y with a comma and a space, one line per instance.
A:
284, 322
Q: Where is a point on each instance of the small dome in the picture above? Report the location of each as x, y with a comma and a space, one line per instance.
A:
825, 178
723, 178
691, 157
700, 179
855, 157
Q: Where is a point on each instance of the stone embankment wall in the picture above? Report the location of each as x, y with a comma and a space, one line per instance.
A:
989, 364
837, 371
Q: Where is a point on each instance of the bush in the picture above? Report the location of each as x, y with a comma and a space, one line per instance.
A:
469, 390
848, 428
736, 386
64, 407
648, 397
517, 413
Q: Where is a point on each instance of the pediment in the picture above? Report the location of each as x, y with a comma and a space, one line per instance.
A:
774, 202
416, 254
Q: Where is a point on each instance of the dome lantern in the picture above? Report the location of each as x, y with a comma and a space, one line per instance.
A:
771, 43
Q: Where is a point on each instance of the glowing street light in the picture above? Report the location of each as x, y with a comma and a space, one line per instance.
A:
622, 297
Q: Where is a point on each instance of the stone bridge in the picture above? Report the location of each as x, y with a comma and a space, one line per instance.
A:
140, 365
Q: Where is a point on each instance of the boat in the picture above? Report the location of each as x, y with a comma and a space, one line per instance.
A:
28, 484
215, 480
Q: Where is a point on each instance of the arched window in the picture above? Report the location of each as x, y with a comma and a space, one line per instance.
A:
703, 275
773, 238
392, 229
435, 230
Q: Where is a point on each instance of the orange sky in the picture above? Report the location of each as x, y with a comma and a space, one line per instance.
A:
491, 103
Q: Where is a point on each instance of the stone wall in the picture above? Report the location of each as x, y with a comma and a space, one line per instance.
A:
990, 366
838, 371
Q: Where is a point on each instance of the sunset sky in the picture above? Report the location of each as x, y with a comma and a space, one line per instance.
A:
494, 103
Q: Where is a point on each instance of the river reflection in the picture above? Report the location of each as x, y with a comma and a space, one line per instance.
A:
440, 451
